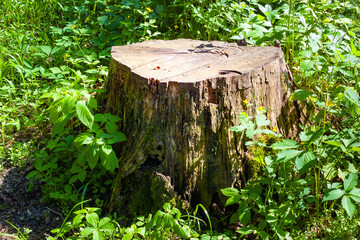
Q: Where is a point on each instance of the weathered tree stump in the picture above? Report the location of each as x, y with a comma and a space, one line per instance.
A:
178, 99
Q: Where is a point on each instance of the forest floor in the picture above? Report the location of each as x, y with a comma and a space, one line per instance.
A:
22, 207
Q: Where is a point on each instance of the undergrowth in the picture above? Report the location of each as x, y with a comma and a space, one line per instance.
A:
54, 57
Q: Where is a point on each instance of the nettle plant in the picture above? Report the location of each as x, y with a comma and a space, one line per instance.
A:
299, 181
85, 157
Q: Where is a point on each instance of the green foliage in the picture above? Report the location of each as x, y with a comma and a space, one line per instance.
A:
53, 60
287, 193
168, 223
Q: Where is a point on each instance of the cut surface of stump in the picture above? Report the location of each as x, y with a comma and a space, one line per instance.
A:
179, 98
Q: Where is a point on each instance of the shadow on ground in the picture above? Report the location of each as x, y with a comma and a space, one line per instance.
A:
23, 208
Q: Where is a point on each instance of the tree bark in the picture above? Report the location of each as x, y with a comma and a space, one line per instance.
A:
179, 98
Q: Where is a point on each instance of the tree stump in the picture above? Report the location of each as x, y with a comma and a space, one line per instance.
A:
179, 98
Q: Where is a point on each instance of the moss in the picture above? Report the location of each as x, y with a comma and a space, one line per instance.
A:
149, 133
146, 192
141, 201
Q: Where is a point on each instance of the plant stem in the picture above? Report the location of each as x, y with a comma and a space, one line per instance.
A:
316, 192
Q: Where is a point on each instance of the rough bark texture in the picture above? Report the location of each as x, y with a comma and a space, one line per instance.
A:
178, 99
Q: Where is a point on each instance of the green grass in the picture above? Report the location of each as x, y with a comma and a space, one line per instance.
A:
52, 50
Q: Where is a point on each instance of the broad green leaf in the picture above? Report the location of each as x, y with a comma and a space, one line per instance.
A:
285, 144
168, 220
54, 114
103, 20
73, 179
55, 70
181, 231
310, 136
68, 105
128, 236
355, 147
350, 181
333, 194
354, 194
81, 158
108, 158
330, 171
104, 221
92, 102
113, 118
92, 219
307, 65
107, 149
351, 100
108, 227
314, 42
55, 50
233, 200
87, 231
92, 155
246, 230
156, 220
333, 143
245, 216
351, 95
116, 137
77, 219
81, 211
234, 218
344, 20
305, 160
250, 131
229, 192
167, 206
31, 174
263, 235
348, 205
300, 94
238, 129
262, 224
46, 49
98, 235
271, 220
141, 231
83, 139
59, 125
82, 176
84, 114
316, 135
261, 121
99, 118
286, 155
347, 141
110, 127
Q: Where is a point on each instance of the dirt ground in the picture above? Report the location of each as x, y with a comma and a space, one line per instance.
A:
22, 208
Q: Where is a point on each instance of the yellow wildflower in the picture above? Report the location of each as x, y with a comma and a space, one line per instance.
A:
67, 55
274, 129
86, 19
74, 26
176, 26
129, 16
245, 101
260, 109
149, 9
181, 20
